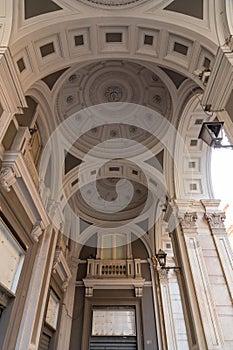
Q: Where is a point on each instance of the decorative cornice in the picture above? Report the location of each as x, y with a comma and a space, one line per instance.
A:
215, 220
14, 167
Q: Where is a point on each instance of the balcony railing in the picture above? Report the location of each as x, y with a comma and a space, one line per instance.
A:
97, 268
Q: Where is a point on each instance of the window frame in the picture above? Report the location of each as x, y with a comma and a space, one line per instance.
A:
13, 239
114, 235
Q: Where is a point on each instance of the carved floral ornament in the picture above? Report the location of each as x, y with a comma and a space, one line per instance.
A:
113, 93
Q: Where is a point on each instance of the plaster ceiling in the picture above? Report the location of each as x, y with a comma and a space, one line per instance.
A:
193, 8
107, 190
114, 81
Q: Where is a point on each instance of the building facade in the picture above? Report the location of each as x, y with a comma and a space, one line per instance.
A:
101, 168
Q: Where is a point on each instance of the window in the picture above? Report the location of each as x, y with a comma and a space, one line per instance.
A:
114, 247
52, 310
11, 257
51, 320
113, 322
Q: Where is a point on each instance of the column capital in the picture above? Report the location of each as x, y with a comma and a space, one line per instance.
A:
215, 219
188, 220
163, 275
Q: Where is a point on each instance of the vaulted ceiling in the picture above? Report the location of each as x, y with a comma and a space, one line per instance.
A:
70, 55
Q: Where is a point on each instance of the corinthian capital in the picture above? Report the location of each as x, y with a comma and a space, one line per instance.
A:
215, 220
188, 220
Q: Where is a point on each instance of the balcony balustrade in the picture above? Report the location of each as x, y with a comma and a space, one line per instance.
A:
97, 268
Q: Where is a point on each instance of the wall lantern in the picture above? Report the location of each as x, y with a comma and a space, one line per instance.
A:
212, 134
161, 258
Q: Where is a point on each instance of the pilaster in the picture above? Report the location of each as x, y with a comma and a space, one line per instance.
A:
33, 315
67, 309
215, 219
213, 336
167, 309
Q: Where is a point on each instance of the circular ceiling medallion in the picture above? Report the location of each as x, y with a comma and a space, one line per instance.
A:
115, 3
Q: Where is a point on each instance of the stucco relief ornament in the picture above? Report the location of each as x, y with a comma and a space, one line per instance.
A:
215, 220
189, 220
113, 93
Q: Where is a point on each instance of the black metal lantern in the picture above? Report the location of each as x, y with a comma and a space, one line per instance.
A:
211, 133
161, 257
